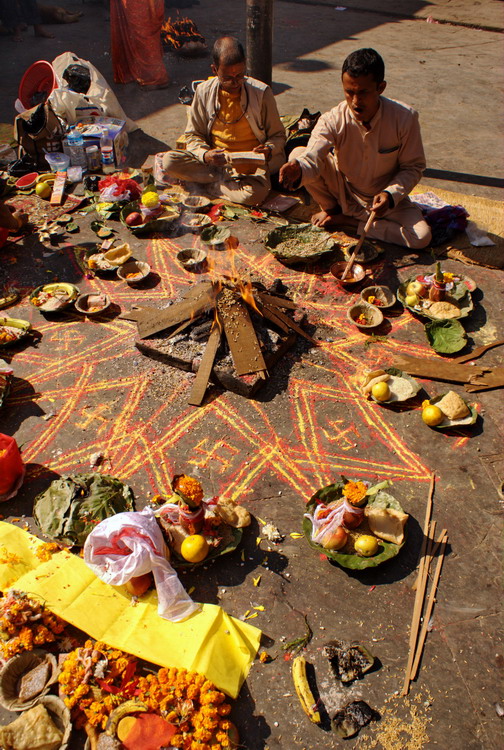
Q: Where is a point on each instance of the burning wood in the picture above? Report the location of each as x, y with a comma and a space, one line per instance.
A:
220, 310
183, 37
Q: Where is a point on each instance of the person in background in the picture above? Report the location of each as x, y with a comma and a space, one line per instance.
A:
364, 155
230, 112
16, 15
137, 53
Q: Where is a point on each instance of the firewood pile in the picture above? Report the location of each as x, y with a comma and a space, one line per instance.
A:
182, 37
229, 332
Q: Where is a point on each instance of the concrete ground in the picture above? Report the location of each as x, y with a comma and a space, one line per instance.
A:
84, 388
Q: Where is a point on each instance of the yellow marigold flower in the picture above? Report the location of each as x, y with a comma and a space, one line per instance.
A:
210, 723
202, 734
354, 491
177, 740
225, 725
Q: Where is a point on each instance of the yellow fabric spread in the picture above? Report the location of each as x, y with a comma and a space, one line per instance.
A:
232, 137
210, 641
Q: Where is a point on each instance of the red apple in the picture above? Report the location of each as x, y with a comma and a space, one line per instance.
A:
335, 539
133, 219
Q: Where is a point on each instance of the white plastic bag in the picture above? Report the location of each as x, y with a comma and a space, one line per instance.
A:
131, 544
110, 194
99, 99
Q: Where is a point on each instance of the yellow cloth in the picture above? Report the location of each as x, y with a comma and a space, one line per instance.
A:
210, 642
232, 137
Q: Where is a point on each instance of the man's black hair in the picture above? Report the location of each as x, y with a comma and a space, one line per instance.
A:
227, 50
364, 62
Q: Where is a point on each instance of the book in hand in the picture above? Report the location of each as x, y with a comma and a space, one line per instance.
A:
245, 159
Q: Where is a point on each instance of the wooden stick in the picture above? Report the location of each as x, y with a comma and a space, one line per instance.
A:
429, 553
205, 369
420, 592
430, 605
358, 246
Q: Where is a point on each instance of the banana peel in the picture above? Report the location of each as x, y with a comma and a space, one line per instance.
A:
303, 690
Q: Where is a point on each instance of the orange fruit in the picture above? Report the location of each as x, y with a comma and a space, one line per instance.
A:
194, 548
432, 415
381, 391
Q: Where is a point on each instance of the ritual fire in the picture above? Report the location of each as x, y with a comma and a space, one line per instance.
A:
228, 330
182, 36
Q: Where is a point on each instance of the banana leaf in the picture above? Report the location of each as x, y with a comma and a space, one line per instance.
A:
72, 505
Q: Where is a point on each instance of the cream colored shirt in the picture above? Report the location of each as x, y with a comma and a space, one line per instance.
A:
389, 156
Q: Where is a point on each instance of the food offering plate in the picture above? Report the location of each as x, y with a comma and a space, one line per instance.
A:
300, 243
347, 557
448, 423
456, 304
168, 214
51, 298
401, 385
13, 330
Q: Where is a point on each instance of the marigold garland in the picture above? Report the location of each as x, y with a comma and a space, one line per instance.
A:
185, 699
25, 624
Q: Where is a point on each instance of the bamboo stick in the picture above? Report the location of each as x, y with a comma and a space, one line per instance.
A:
420, 592
358, 246
430, 606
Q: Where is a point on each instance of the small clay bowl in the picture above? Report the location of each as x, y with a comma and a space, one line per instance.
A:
92, 303
60, 715
193, 259
196, 203
373, 315
383, 294
354, 276
139, 268
192, 222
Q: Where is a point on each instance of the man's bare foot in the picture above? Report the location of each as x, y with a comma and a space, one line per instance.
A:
40, 31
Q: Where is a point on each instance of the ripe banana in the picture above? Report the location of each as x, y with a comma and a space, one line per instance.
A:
303, 690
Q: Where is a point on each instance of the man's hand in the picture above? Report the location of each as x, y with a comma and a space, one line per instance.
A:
290, 174
263, 148
215, 157
381, 204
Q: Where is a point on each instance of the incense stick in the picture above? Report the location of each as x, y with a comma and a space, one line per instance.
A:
420, 592
430, 605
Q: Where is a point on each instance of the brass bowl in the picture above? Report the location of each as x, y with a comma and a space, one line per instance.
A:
354, 277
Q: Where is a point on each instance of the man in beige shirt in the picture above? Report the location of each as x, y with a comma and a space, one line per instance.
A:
230, 113
364, 155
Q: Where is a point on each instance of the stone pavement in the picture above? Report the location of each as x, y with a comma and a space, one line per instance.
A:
309, 424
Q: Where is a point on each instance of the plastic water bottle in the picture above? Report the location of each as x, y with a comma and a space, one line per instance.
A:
107, 153
75, 145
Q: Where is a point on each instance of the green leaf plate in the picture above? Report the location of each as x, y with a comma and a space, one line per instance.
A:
399, 391
299, 243
352, 561
446, 336
460, 295
447, 424
158, 224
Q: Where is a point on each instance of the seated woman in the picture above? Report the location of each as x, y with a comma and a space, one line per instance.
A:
230, 113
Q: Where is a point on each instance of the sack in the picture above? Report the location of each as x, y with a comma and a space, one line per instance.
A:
129, 545
38, 130
299, 129
98, 100
12, 469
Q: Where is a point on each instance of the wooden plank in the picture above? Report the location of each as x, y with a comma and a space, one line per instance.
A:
493, 378
478, 352
191, 308
272, 299
290, 323
270, 315
199, 386
437, 369
136, 314
240, 333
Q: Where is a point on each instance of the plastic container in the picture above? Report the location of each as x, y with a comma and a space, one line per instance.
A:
57, 161
93, 158
107, 153
75, 144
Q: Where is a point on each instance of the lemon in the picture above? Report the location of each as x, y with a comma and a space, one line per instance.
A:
380, 391
43, 189
150, 199
194, 548
366, 545
432, 415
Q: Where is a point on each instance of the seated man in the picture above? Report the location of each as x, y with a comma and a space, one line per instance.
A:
364, 155
230, 113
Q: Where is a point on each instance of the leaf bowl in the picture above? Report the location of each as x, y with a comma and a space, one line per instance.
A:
62, 293
447, 423
402, 387
372, 315
21, 330
460, 296
384, 298
446, 336
134, 271
349, 559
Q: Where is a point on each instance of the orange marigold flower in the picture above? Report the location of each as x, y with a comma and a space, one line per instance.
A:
177, 740
224, 709
354, 491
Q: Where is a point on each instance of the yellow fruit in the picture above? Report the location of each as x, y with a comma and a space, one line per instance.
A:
380, 391
43, 189
194, 548
411, 300
432, 415
150, 199
366, 545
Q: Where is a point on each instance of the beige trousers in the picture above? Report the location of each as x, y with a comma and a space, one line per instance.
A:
402, 225
222, 182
